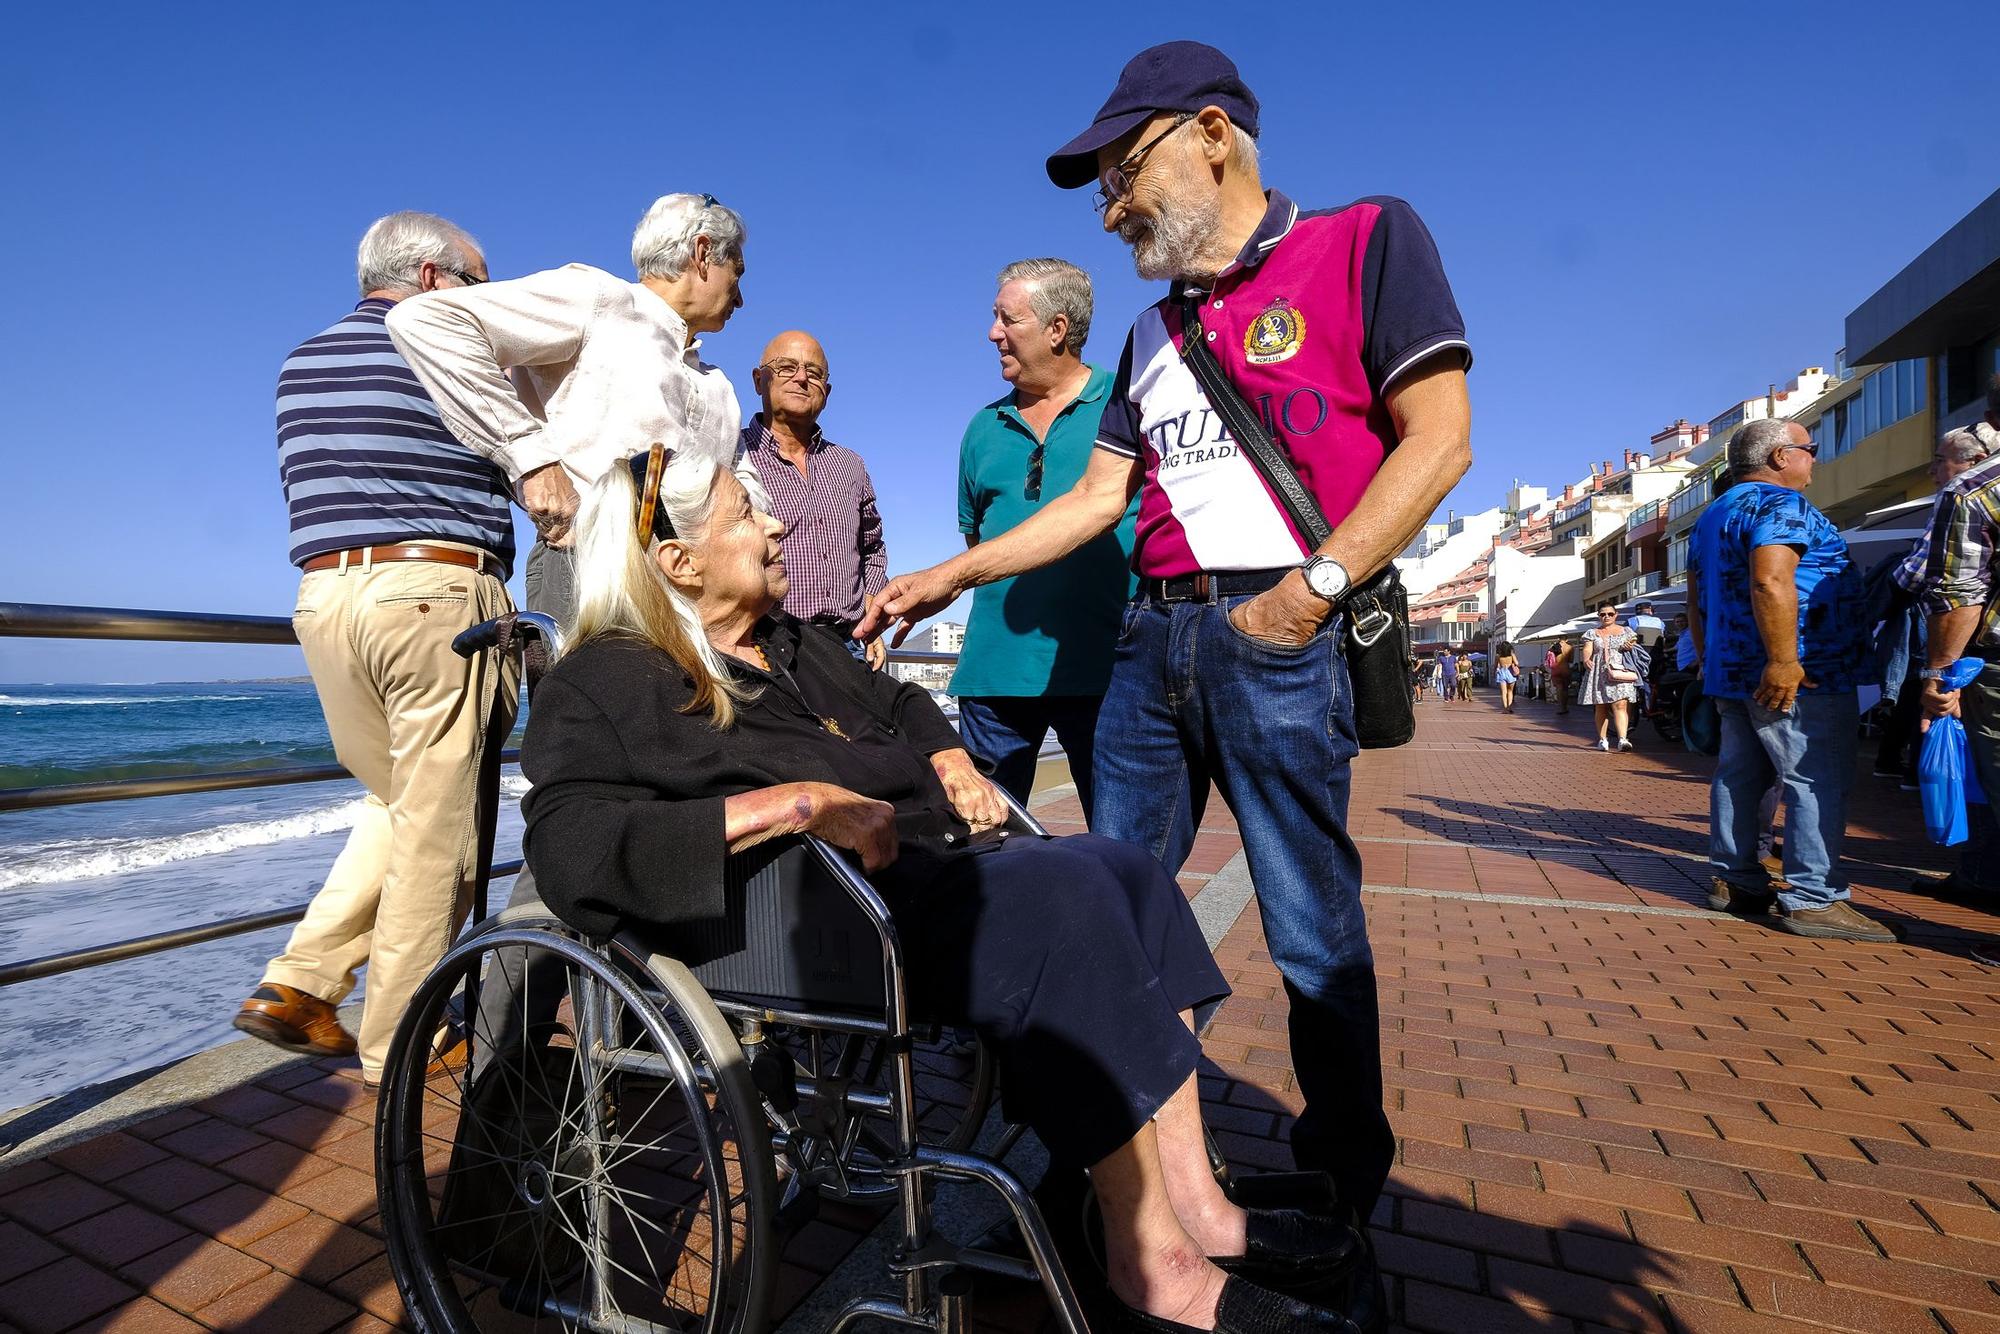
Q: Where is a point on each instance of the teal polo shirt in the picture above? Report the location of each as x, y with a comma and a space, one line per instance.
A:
1050, 631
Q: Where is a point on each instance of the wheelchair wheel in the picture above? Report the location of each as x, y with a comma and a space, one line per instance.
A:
955, 1088
602, 1163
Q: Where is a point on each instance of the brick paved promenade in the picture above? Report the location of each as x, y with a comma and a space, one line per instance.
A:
1616, 1108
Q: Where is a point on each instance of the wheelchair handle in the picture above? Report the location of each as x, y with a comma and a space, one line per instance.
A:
527, 625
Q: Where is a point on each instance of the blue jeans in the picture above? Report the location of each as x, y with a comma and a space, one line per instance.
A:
1009, 731
1809, 753
1193, 699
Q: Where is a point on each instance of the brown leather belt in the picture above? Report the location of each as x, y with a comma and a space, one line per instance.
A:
469, 560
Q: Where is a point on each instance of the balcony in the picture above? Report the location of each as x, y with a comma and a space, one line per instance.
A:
1570, 511
1639, 518
1650, 582
1691, 497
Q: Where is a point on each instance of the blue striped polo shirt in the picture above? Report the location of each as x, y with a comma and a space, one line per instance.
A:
365, 458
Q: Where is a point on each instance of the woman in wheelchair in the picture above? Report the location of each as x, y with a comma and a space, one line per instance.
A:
692, 720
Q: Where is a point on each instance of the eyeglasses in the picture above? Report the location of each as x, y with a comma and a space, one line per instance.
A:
709, 201
784, 368
1116, 181
1812, 449
1607, 615
1033, 491
465, 279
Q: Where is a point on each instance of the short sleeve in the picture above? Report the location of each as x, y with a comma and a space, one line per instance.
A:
1408, 313
1118, 429
969, 508
1782, 520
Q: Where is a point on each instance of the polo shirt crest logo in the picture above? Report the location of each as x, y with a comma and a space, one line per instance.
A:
1276, 334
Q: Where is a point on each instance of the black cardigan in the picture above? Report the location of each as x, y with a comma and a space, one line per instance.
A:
625, 820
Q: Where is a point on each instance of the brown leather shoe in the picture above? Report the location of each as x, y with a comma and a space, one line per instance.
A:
1836, 921
1725, 897
287, 1017
447, 1058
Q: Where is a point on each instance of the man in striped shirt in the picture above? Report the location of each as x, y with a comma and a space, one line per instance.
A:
820, 491
405, 538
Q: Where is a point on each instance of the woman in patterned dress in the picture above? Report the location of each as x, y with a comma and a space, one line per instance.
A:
1606, 650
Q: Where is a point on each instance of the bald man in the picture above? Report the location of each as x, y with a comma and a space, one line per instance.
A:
819, 491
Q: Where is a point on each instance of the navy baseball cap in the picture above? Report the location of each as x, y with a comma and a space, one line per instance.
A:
1173, 76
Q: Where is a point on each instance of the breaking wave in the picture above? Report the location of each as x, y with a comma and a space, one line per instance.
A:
82, 859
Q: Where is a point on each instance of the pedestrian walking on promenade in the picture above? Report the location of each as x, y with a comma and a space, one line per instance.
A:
1961, 596
1419, 670
1038, 647
1557, 661
1779, 611
1506, 671
820, 492
1447, 670
1610, 684
1230, 664
404, 538
1465, 678
1901, 649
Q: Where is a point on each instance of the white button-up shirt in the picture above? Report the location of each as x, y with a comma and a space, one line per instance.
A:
602, 368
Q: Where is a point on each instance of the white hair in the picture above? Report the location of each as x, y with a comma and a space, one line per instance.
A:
1244, 152
621, 590
396, 247
663, 243
1055, 287
1969, 444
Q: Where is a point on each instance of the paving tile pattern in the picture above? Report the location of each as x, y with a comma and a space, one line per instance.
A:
1610, 1116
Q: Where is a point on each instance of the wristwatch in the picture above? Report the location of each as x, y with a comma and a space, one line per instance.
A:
1931, 674
1326, 577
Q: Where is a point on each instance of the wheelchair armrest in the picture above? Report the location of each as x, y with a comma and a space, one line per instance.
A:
1019, 821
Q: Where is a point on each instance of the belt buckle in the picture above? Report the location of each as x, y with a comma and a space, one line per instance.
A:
1203, 587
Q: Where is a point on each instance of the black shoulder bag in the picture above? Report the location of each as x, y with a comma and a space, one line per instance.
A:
1377, 642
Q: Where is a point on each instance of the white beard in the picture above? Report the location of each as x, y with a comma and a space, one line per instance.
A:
1169, 245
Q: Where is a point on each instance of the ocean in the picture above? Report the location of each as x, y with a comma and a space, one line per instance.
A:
77, 876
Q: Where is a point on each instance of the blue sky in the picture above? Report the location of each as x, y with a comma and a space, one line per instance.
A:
1647, 212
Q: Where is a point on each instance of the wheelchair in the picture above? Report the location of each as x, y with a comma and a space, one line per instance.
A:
635, 1131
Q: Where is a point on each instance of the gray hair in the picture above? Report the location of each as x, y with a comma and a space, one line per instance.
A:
1244, 153
395, 249
663, 242
1969, 444
1750, 449
1056, 287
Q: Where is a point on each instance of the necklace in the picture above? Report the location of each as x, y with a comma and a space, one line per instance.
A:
792, 689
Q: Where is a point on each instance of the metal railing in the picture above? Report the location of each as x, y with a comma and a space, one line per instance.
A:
29, 620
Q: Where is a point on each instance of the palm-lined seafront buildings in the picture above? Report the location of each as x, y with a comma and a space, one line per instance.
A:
1918, 356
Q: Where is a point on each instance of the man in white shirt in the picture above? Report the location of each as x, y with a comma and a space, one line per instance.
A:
602, 368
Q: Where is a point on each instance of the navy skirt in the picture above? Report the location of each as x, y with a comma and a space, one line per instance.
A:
1073, 957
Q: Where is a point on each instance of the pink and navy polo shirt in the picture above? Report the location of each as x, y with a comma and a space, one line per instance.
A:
1314, 322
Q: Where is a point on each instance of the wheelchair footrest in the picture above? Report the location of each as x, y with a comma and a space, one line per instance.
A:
1310, 1191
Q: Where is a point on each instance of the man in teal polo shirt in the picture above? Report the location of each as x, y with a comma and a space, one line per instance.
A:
1038, 646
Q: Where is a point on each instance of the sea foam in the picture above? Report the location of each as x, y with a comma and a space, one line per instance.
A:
84, 858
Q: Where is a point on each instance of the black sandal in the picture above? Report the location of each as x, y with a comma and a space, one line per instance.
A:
1244, 1308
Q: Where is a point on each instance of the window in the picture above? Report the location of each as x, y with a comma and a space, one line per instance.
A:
1677, 557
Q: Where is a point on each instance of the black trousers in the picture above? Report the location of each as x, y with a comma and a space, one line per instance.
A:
1073, 957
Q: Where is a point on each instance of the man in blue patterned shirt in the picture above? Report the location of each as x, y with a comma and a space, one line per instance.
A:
1779, 612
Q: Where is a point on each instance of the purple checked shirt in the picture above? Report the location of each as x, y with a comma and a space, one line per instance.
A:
833, 535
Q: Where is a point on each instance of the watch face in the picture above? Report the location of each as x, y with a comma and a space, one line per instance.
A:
1326, 579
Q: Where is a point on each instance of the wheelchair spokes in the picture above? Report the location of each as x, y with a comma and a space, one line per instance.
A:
594, 1167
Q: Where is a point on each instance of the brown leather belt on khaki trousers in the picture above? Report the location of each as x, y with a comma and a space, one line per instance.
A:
361, 556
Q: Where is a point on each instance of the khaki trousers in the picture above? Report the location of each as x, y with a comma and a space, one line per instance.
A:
408, 719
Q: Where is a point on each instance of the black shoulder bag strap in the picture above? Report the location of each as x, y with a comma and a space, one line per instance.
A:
1251, 437
1368, 619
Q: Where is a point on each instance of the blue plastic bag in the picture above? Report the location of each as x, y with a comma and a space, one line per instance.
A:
1946, 779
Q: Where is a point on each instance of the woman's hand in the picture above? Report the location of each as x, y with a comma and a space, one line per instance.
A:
862, 825
978, 802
